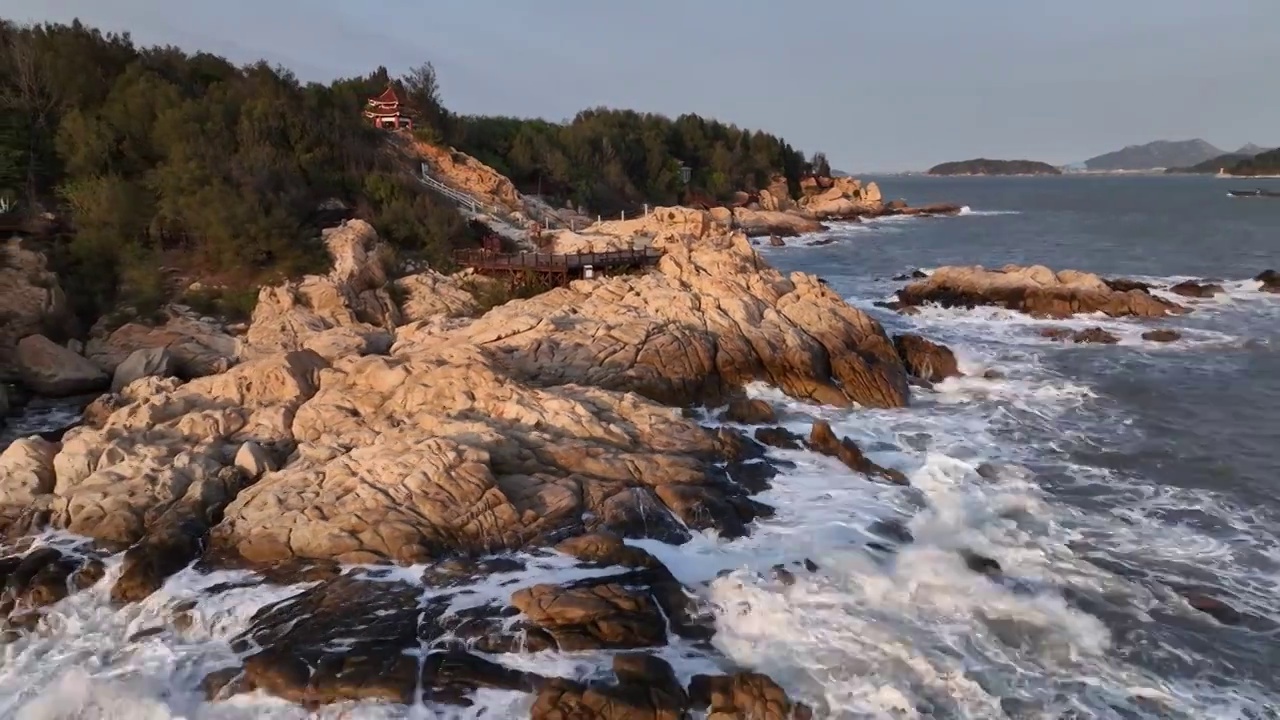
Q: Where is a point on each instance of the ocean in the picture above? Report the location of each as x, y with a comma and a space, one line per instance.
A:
1110, 482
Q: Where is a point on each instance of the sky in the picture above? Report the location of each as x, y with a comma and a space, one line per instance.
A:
878, 86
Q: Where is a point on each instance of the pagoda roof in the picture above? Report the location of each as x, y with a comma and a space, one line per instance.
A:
388, 97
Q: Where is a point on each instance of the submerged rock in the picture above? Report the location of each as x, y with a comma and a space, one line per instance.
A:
1162, 336
1094, 335
779, 437
1215, 608
1192, 289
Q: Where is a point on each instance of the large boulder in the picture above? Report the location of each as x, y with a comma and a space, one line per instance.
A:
152, 362
31, 302
764, 223
50, 369
1034, 290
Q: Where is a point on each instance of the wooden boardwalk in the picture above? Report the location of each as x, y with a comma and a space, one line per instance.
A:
555, 269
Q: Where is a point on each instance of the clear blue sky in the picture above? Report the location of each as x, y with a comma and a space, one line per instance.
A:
883, 85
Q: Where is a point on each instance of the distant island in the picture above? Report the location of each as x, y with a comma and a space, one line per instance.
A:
1156, 155
983, 166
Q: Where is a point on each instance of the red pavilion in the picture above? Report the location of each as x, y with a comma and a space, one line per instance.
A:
384, 111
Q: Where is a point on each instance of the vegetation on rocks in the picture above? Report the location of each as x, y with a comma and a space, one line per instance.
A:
610, 160
155, 157
164, 166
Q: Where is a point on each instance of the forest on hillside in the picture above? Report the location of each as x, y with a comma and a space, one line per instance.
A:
156, 157
1267, 163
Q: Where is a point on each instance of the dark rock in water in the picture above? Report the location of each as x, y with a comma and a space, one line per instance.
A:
810, 565
744, 695
176, 537
913, 275
347, 638
822, 439
1215, 608
614, 612
992, 374
1189, 288
889, 305
1161, 336
1270, 280
749, 412
988, 471
776, 241
892, 529
1088, 335
457, 572
646, 689
784, 576
926, 359
821, 241
37, 579
980, 563
754, 476
778, 437
1125, 285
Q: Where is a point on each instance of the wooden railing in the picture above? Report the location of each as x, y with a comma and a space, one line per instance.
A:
549, 261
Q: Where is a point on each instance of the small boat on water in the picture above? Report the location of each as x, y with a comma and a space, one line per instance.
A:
1254, 193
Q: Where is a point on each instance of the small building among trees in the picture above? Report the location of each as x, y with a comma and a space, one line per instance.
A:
384, 111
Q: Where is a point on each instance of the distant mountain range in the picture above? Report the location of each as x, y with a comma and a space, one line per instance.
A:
1163, 154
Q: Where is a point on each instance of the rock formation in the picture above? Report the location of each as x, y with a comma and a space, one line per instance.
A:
1035, 290
31, 302
198, 346
55, 371
375, 421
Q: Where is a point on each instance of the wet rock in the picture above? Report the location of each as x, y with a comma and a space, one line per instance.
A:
1215, 608
980, 563
460, 572
783, 575
810, 565
755, 476
776, 241
1192, 289
1125, 285
1270, 280
822, 439
892, 529
779, 437
646, 688
177, 537
346, 639
926, 359
748, 411
1035, 290
992, 374
594, 615
744, 695
913, 275
605, 548
35, 580
1094, 335
1162, 336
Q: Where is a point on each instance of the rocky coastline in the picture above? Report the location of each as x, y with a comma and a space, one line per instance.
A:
366, 422
387, 448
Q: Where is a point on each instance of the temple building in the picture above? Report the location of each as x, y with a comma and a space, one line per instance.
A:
384, 111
